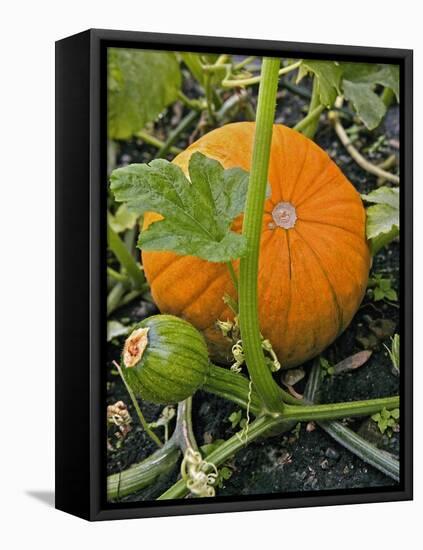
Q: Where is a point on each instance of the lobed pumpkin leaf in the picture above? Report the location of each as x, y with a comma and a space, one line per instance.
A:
140, 85
368, 105
383, 216
197, 214
373, 73
359, 81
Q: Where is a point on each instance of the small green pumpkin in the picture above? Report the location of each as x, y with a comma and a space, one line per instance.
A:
165, 359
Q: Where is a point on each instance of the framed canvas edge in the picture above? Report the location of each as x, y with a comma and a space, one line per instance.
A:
97, 242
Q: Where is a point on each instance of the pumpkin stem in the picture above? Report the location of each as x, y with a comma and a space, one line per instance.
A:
284, 215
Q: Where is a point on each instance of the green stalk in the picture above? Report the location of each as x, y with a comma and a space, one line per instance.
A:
119, 277
266, 387
195, 104
209, 97
173, 136
132, 295
184, 433
114, 297
232, 274
140, 415
125, 258
192, 61
226, 384
235, 83
311, 129
244, 62
155, 142
331, 411
231, 386
145, 473
311, 117
379, 459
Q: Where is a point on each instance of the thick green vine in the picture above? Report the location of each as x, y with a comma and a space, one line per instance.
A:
266, 387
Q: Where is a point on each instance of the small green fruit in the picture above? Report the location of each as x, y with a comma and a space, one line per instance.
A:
165, 359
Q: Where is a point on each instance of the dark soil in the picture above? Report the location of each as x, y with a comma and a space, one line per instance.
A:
305, 459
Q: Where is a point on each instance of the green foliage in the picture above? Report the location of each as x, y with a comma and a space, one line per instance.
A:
394, 352
381, 288
328, 74
359, 82
376, 146
197, 213
386, 420
224, 474
193, 62
327, 369
383, 217
116, 329
236, 419
368, 105
140, 85
122, 219
373, 73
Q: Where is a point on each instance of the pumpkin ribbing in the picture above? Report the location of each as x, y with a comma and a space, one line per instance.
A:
314, 259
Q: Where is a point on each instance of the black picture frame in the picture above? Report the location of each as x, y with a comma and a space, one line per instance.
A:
81, 280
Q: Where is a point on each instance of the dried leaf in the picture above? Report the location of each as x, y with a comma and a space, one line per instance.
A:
353, 362
292, 376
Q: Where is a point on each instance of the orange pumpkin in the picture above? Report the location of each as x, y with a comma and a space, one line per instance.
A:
314, 258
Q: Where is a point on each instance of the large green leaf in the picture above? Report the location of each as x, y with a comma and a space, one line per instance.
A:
383, 219
140, 85
373, 73
359, 81
197, 214
368, 105
384, 195
328, 74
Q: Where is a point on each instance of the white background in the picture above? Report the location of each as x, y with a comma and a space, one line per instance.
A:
28, 32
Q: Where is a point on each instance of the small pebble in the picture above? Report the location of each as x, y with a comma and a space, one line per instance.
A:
331, 453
